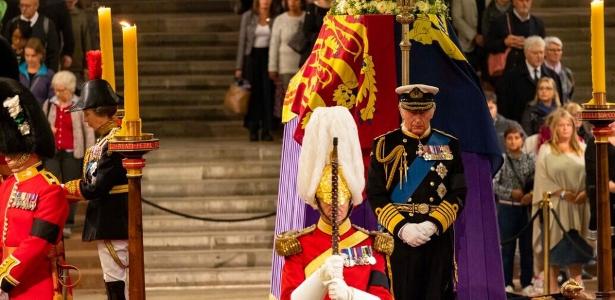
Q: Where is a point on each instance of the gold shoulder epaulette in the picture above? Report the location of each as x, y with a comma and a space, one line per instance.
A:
383, 242
384, 134
49, 177
444, 133
287, 243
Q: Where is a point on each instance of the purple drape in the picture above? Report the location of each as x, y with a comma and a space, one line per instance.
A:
477, 241
290, 210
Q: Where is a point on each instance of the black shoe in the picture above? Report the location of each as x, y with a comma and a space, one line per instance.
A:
266, 136
253, 136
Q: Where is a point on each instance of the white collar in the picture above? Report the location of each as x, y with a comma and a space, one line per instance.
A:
531, 68
32, 21
521, 18
557, 67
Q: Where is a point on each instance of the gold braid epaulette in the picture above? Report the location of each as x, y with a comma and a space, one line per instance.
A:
383, 242
287, 243
395, 156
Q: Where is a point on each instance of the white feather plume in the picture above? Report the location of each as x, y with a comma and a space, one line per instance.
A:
326, 123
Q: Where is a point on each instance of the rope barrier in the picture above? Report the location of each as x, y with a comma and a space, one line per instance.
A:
559, 223
193, 217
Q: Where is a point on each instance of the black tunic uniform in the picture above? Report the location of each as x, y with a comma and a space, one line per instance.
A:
105, 186
433, 189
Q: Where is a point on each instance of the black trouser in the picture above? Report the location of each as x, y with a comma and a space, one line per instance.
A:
424, 272
260, 108
66, 168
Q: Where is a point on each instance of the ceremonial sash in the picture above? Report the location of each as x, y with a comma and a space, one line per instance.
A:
351, 241
417, 171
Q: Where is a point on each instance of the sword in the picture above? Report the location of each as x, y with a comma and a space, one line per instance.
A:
335, 234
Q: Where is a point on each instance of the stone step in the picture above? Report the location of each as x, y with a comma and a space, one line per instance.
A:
173, 241
214, 205
156, 97
186, 150
207, 240
227, 292
192, 67
182, 38
182, 54
186, 259
180, 82
204, 129
180, 22
212, 170
572, 16
538, 5
176, 6
165, 222
577, 34
210, 187
187, 112
207, 276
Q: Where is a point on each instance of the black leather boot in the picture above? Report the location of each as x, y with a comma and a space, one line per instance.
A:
115, 290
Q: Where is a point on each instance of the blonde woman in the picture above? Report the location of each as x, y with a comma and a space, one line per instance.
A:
545, 101
560, 169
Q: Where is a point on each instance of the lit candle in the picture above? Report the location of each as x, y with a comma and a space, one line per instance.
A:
106, 45
597, 44
131, 76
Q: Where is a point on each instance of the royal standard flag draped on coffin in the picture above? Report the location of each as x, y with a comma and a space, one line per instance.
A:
351, 65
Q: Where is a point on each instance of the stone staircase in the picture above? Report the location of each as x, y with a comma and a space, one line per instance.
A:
569, 20
205, 166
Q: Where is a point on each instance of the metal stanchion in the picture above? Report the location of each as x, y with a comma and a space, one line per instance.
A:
545, 205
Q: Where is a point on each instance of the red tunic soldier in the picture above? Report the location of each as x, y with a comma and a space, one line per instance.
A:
311, 270
31, 200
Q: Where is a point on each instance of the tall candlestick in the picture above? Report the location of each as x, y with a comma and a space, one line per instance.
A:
597, 44
131, 76
106, 45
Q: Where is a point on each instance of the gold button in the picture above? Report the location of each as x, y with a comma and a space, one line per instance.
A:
432, 184
430, 199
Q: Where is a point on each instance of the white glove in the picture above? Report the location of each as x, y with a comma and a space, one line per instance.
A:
338, 289
333, 268
427, 228
412, 236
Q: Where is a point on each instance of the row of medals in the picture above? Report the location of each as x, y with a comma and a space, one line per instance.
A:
358, 256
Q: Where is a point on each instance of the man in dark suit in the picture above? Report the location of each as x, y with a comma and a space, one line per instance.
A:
518, 85
511, 30
42, 27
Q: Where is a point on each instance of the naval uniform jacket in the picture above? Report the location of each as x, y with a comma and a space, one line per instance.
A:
105, 186
34, 209
314, 246
432, 189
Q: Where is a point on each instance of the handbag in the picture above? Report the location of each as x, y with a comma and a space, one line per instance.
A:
237, 98
298, 42
496, 62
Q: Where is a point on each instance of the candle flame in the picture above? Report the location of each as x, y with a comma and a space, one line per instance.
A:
125, 24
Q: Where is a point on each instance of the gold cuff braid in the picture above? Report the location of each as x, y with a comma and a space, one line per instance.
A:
73, 190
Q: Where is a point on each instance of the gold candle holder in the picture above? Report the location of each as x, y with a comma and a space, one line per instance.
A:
133, 146
600, 113
405, 17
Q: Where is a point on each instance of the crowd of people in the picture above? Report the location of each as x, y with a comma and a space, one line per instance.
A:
55, 127
530, 98
46, 43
